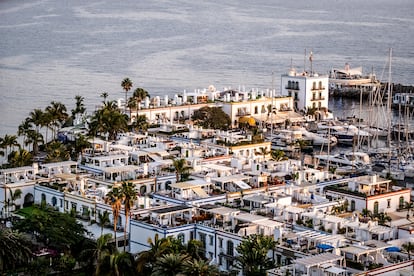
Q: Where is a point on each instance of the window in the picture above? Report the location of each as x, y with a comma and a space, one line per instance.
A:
54, 201
230, 248
211, 239
376, 205
352, 205
388, 203
320, 85
61, 202
314, 85
168, 185
297, 85
256, 110
203, 239
263, 109
220, 242
401, 202
43, 199
143, 190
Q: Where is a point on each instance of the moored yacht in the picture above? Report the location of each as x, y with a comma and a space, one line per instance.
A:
352, 160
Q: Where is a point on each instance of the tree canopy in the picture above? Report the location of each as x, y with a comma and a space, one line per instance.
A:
212, 117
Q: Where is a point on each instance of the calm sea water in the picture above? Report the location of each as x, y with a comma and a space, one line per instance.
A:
55, 50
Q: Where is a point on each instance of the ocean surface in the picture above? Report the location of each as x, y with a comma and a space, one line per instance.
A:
54, 50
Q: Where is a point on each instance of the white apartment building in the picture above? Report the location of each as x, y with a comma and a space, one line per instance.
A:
308, 90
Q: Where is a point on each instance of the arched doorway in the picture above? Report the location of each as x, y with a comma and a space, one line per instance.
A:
143, 190
28, 200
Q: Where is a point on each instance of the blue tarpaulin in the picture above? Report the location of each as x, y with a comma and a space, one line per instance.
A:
324, 246
393, 249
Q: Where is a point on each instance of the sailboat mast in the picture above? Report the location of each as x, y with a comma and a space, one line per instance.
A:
389, 97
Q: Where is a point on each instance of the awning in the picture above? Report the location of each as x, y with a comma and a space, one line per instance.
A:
200, 192
249, 120
242, 184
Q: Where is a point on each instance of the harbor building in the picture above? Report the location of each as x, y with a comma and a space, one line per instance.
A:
310, 91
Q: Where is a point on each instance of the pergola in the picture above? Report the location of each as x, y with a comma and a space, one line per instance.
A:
124, 172
317, 238
365, 231
14, 174
303, 265
173, 215
59, 167
328, 221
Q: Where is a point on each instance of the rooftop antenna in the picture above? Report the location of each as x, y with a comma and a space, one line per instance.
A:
304, 62
311, 62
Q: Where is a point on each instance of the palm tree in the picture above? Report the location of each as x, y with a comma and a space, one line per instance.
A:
129, 195
200, 268
367, 214
79, 107
383, 218
56, 152
114, 198
81, 143
139, 95
140, 123
263, 151
103, 219
194, 249
409, 205
20, 158
181, 169
104, 95
132, 104
24, 128
57, 112
170, 264
13, 196
14, 250
103, 251
253, 252
108, 121
277, 155
35, 138
126, 85
146, 259
95, 254
120, 263
408, 247
10, 142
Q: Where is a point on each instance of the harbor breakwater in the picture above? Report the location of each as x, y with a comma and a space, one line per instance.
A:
353, 93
